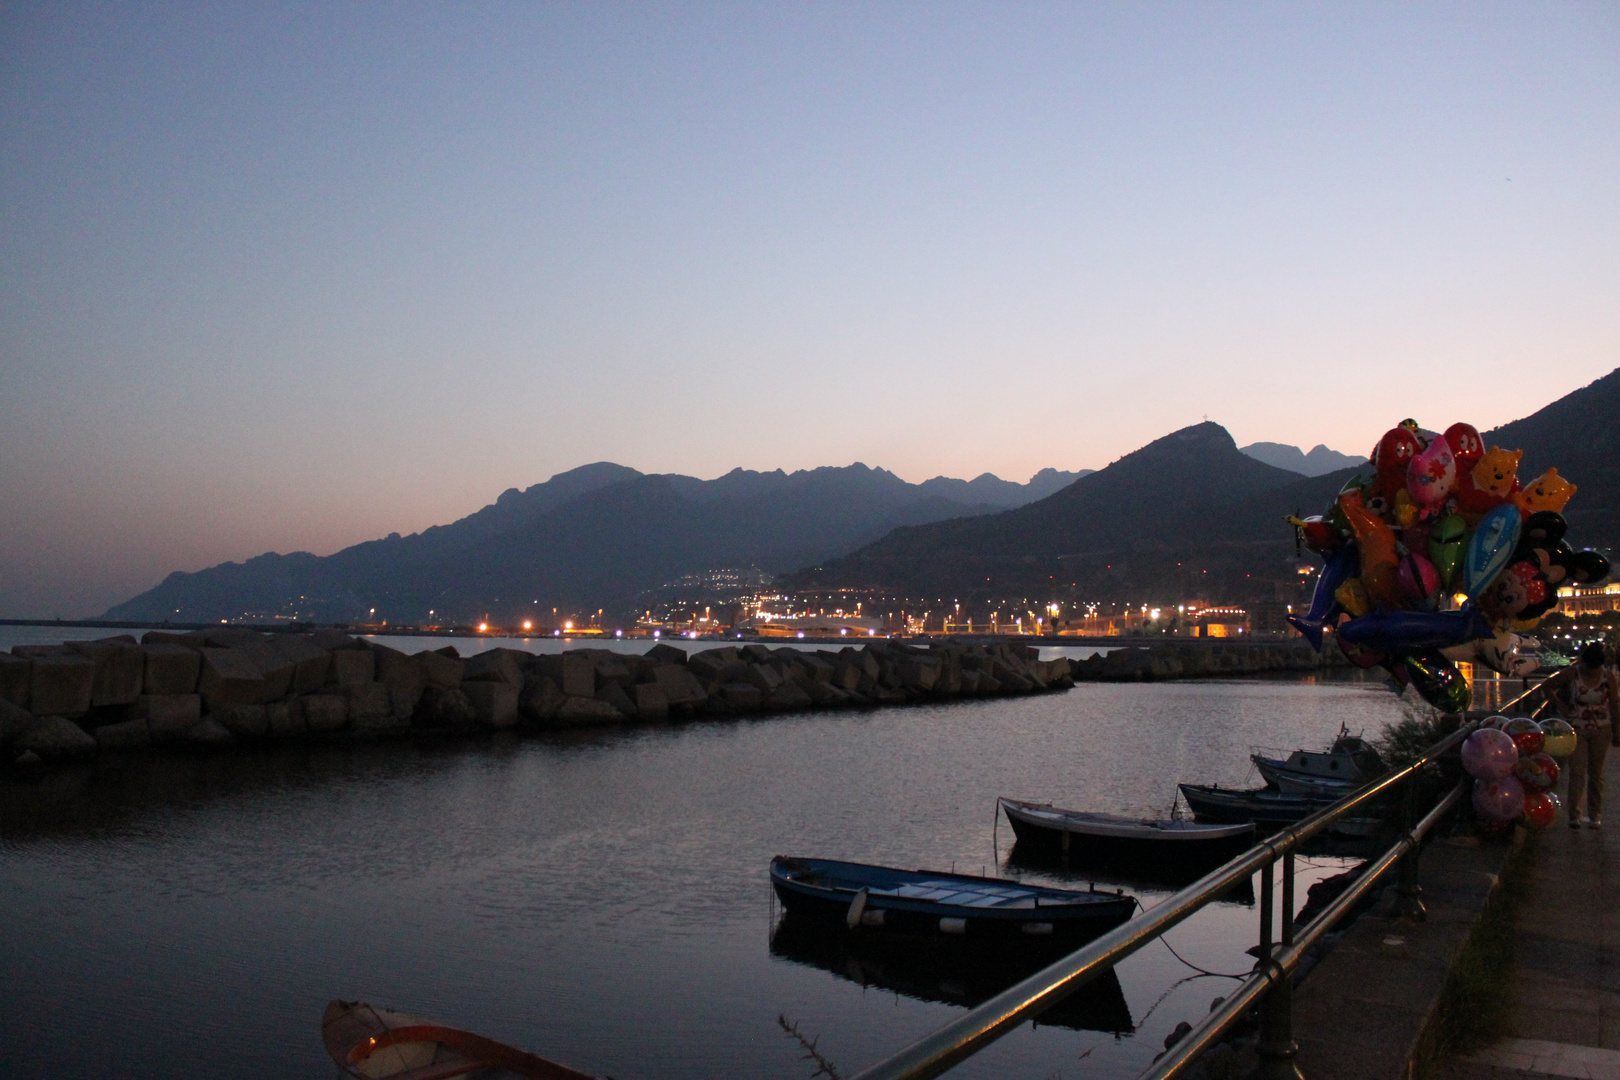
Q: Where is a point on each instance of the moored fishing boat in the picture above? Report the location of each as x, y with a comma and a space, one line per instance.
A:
943, 905
1166, 847
1269, 810
379, 1044
1351, 760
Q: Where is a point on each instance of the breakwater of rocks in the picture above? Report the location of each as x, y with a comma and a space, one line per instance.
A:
231, 686
1204, 659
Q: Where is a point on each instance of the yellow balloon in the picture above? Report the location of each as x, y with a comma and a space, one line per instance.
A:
1560, 738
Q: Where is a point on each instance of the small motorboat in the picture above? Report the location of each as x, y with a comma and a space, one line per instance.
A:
378, 1044
939, 905
1276, 775
1169, 847
1351, 760
1269, 809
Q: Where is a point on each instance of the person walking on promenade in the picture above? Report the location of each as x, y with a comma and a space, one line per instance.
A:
1590, 700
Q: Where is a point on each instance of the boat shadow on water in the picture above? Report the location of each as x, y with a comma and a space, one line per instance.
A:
953, 973
1075, 870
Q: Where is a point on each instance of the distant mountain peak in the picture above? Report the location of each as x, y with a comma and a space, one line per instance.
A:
1319, 462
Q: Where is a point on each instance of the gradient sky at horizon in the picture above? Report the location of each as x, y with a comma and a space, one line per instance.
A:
288, 277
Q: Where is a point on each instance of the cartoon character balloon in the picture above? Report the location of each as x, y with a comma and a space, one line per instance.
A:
1537, 772
1430, 476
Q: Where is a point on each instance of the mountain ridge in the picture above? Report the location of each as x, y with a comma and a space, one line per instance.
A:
744, 517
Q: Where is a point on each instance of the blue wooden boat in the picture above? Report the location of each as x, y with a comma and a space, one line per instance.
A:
939, 905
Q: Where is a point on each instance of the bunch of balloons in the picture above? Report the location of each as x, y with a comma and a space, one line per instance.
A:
1441, 557
1514, 766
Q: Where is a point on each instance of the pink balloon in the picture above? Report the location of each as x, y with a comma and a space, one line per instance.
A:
1489, 754
1418, 578
1431, 475
1498, 800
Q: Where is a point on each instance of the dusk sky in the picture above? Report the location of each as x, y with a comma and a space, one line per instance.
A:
282, 277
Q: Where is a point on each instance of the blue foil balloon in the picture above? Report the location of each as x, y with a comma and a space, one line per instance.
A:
1341, 566
1412, 631
1490, 548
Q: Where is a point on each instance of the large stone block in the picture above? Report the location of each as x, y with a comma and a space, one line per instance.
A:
679, 685
403, 677
441, 670
169, 637
541, 699
230, 677
614, 694
324, 713
231, 637
651, 702
788, 697
715, 665
763, 676
168, 716
495, 704
245, 722
309, 661
14, 720
370, 708
582, 711
741, 696
208, 734
123, 735
578, 676
171, 669
120, 669
14, 676
285, 719
56, 738
333, 640
495, 665
61, 684
444, 707
665, 654
351, 666
612, 668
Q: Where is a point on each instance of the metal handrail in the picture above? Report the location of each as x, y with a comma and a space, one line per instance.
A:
948, 1046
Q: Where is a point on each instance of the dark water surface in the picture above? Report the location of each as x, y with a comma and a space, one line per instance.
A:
601, 897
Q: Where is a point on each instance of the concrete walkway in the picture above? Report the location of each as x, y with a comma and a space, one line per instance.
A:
1565, 1019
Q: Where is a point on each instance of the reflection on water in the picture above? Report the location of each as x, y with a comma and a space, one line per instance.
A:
952, 972
1161, 875
599, 897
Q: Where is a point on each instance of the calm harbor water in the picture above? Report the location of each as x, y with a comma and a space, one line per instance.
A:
598, 897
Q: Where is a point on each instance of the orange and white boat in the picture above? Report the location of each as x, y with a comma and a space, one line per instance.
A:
378, 1044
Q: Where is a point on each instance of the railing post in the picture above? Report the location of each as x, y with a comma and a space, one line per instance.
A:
1409, 894
1277, 1048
